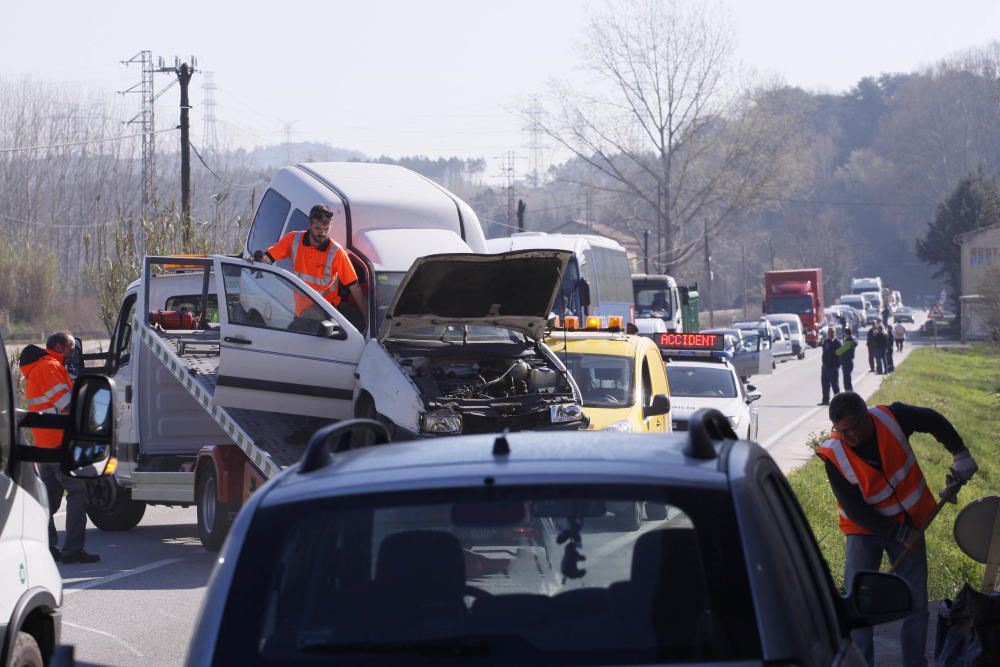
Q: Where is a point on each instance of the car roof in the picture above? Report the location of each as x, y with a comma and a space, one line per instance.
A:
533, 458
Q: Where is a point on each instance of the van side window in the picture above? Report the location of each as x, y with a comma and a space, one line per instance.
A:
267, 224
6, 413
568, 299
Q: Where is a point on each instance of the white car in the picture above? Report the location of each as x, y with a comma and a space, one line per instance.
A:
712, 383
31, 589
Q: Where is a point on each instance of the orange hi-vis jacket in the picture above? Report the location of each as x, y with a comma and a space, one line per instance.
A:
323, 270
49, 389
898, 489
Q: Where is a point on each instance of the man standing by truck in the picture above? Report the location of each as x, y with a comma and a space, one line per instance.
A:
321, 263
49, 389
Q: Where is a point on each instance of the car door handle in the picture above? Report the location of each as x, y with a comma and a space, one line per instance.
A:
239, 340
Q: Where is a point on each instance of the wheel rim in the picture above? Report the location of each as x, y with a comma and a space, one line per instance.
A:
208, 504
102, 494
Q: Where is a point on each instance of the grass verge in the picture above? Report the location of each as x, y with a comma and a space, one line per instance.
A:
963, 384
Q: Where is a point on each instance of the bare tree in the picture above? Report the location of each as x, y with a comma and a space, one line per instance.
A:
669, 124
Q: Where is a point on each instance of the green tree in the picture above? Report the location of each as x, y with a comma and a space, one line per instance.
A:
975, 203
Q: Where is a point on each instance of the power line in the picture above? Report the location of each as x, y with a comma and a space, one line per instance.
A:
232, 186
83, 143
61, 225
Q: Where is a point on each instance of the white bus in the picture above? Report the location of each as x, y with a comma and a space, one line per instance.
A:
599, 270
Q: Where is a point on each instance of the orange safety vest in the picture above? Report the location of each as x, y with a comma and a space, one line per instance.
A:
324, 271
898, 490
49, 388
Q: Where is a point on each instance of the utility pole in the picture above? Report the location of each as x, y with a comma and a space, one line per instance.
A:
708, 276
184, 72
645, 251
209, 137
535, 134
145, 120
745, 282
507, 172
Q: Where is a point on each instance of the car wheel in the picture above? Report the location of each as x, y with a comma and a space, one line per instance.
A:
110, 506
26, 652
213, 516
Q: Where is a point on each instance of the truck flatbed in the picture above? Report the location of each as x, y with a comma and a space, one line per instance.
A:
271, 440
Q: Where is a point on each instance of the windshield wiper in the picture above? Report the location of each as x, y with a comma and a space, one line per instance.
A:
456, 647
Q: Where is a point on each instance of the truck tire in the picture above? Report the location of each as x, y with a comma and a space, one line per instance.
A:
26, 652
110, 507
213, 516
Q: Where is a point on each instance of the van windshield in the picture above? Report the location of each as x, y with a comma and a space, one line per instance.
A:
384, 287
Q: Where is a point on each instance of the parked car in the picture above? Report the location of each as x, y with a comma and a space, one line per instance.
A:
497, 549
851, 317
903, 314
751, 353
711, 383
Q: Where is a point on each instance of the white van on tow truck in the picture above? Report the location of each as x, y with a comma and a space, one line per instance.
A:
227, 394
30, 584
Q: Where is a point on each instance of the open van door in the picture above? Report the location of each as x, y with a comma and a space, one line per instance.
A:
753, 355
282, 347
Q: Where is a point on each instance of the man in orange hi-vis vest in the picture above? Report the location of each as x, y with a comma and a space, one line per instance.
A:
884, 500
321, 263
48, 388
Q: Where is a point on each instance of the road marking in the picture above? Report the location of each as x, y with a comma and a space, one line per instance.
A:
67, 590
131, 649
773, 440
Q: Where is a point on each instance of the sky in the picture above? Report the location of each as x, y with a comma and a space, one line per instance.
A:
435, 77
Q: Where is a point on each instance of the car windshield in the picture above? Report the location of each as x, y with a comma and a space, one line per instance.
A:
799, 305
604, 380
653, 302
506, 574
704, 382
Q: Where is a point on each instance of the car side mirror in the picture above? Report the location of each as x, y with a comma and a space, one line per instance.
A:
753, 396
655, 511
583, 287
876, 598
660, 406
330, 329
87, 443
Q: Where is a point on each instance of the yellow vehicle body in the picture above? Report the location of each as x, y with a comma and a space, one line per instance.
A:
618, 375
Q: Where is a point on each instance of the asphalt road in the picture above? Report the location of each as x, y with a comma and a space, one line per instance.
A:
137, 606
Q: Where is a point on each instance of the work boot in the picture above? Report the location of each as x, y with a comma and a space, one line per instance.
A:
80, 556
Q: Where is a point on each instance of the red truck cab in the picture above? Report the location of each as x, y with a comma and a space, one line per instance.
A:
798, 291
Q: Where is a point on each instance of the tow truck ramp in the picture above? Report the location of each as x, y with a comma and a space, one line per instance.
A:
271, 440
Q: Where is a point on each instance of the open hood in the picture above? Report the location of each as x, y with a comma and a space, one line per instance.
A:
514, 290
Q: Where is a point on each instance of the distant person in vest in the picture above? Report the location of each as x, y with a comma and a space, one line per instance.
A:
321, 263
884, 500
49, 389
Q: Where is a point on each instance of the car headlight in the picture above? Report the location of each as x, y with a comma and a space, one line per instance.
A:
566, 412
624, 426
441, 421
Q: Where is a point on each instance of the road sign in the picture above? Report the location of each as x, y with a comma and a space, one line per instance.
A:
935, 313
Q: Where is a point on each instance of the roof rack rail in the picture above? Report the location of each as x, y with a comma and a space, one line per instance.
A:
706, 427
318, 451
